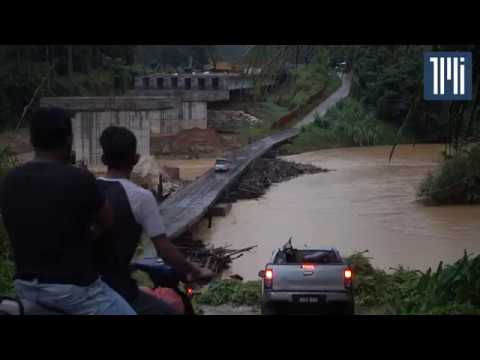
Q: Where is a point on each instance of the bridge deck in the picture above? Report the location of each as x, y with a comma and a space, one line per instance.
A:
188, 205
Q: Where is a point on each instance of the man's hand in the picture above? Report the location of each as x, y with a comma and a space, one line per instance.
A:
170, 254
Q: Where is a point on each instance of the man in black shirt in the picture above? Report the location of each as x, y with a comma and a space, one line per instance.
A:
135, 211
51, 211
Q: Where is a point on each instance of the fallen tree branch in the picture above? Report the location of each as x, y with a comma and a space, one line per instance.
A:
216, 259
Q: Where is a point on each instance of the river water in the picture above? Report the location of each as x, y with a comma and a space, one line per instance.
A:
363, 204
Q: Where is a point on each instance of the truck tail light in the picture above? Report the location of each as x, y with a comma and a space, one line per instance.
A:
268, 278
347, 278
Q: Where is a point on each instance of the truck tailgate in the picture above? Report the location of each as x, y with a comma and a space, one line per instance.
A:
329, 277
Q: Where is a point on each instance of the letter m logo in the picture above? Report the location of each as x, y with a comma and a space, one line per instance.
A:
447, 76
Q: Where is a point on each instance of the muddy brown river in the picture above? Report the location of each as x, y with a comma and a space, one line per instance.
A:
365, 203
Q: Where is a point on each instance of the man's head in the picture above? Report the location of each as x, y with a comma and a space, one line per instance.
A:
51, 132
119, 148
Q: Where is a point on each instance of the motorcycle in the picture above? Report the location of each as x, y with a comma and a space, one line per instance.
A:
161, 274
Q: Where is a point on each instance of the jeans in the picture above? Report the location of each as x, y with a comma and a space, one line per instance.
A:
95, 299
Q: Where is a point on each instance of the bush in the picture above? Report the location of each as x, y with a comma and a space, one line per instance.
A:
354, 126
230, 291
457, 181
451, 289
346, 124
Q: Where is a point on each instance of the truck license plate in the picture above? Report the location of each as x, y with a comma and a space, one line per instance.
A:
309, 299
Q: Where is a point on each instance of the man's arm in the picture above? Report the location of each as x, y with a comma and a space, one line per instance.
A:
153, 226
170, 254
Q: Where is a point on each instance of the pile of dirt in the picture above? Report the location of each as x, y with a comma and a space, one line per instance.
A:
263, 173
147, 174
191, 142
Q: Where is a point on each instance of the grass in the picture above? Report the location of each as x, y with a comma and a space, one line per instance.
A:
457, 181
347, 124
231, 291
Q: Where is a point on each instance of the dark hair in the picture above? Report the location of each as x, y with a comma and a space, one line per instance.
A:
50, 128
119, 145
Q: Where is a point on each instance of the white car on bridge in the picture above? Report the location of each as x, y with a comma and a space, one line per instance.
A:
222, 165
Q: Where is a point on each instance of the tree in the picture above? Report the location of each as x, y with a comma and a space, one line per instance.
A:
70, 61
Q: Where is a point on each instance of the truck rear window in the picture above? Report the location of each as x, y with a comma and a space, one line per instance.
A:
307, 256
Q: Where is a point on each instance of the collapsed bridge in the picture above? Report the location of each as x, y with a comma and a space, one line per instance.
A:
190, 204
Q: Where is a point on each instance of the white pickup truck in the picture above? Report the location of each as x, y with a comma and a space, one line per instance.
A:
311, 281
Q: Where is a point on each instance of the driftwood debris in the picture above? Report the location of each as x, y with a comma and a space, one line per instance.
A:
263, 173
216, 259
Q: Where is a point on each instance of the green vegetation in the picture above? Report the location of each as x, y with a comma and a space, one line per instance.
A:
388, 80
347, 124
7, 268
451, 289
312, 79
231, 291
300, 89
457, 180
60, 70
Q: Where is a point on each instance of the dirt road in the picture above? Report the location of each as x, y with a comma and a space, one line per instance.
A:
321, 109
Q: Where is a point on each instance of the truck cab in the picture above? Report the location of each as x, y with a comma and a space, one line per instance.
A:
307, 280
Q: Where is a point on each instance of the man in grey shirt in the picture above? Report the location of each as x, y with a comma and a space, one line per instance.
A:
135, 211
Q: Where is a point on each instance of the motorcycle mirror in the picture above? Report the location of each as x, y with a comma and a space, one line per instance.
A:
261, 273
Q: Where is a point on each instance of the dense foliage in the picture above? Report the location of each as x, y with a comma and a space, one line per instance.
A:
163, 58
450, 289
346, 124
7, 160
456, 181
60, 70
352, 124
312, 78
88, 70
389, 81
